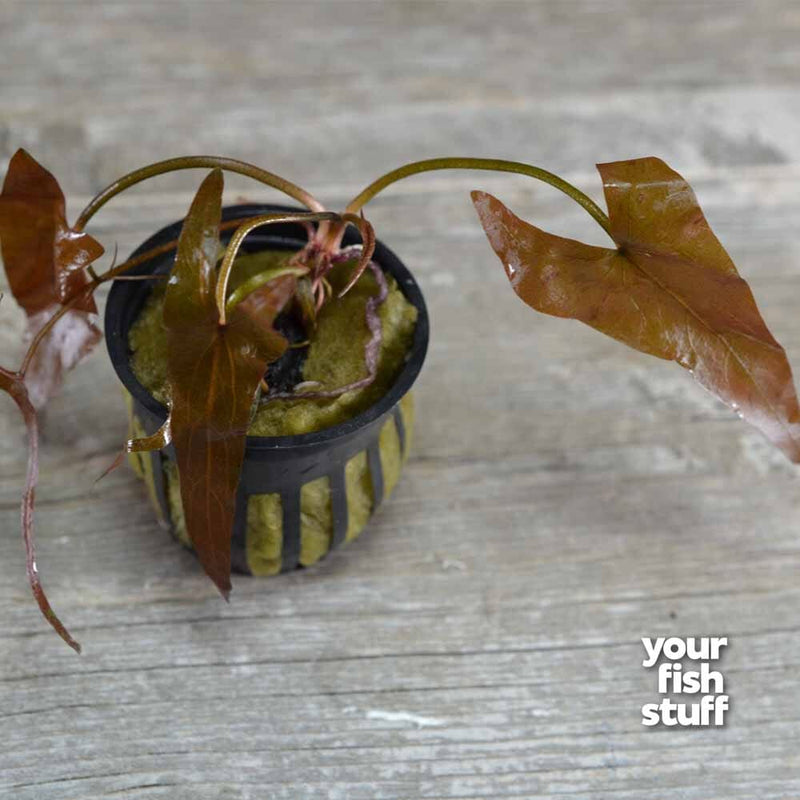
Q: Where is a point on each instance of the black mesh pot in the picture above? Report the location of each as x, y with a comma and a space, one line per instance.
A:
335, 478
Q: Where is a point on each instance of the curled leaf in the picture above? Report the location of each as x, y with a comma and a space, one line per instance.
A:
12, 384
371, 349
159, 440
46, 261
365, 251
669, 289
214, 372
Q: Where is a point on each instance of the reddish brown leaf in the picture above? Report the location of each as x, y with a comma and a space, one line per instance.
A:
214, 373
266, 302
44, 258
13, 384
669, 290
46, 261
158, 441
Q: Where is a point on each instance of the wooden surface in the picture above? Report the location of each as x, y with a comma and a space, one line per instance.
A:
565, 497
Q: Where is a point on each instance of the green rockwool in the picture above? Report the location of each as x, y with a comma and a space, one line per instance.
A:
335, 358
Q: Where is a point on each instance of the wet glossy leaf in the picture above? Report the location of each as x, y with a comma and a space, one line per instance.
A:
213, 373
158, 441
266, 302
12, 384
669, 289
46, 261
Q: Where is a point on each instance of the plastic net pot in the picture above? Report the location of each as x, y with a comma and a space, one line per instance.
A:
299, 496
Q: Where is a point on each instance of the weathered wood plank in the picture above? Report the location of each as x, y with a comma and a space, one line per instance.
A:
565, 496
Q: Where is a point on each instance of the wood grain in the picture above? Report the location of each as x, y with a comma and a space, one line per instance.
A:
565, 496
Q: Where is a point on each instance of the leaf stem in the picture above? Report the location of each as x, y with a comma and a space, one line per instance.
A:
48, 326
223, 276
13, 384
114, 273
489, 164
225, 304
195, 162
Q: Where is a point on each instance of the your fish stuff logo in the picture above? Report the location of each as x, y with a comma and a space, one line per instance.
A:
704, 686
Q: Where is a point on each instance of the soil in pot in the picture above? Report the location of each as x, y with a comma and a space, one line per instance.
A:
333, 358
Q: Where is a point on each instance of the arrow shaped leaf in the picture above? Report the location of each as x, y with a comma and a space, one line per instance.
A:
669, 289
213, 373
46, 261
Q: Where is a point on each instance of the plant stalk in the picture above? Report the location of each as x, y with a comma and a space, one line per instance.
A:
195, 162
111, 274
488, 164
223, 276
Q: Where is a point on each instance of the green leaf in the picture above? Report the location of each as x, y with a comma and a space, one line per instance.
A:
669, 289
213, 373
